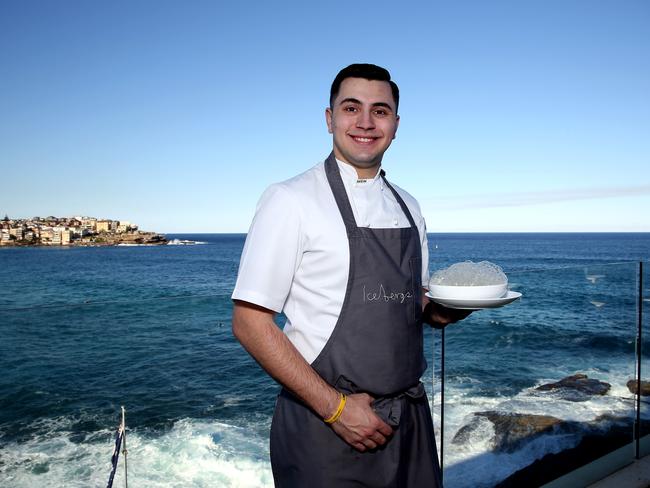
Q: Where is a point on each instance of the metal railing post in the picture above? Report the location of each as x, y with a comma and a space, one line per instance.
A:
639, 355
442, 402
126, 482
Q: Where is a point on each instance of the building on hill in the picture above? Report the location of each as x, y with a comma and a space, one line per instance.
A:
103, 226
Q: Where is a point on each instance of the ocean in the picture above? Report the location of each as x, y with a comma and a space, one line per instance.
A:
84, 331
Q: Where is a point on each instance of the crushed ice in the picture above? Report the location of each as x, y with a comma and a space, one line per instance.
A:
469, 273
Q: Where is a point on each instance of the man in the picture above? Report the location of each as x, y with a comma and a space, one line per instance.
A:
343, 254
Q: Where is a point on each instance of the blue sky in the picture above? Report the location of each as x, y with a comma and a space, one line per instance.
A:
515, 116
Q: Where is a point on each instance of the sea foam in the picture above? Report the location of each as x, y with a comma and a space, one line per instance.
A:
475, 464
191, 454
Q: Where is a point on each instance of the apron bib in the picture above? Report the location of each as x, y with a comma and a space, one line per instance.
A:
376, 347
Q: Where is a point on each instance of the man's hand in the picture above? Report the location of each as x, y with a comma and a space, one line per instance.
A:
360, 426
439, 316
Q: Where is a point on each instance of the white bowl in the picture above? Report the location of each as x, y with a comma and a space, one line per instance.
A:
478, 292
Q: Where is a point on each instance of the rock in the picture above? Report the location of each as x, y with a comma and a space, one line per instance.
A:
580, 383
645, 387
511, 430
138, 237
593, 439
464, 434
600, 437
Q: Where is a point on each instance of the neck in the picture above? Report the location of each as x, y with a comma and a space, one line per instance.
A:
364, 173
367, 173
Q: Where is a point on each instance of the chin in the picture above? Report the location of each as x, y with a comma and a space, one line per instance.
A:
365, 161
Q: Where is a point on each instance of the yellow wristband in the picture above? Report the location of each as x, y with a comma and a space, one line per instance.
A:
335, 416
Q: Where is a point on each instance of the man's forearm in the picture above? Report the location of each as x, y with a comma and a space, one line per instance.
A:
255, 329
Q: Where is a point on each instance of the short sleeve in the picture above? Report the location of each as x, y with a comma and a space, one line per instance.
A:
271, 252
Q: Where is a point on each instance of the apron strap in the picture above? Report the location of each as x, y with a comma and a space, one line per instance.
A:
340, 195
399, 200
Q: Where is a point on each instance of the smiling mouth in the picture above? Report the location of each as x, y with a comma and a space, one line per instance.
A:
364, 140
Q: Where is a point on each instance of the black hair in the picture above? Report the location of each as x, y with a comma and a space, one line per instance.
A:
367, 72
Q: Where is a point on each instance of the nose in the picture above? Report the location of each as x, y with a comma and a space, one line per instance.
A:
365, 121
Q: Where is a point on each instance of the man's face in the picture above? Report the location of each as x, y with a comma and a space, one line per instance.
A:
363, 122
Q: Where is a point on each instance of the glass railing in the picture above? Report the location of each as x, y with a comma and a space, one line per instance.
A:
530, 391
433, 381
539, 388
643, 400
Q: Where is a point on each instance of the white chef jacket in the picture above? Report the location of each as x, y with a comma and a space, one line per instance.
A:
296, 256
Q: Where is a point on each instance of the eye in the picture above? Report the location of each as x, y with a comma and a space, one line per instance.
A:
350, 108
381, 112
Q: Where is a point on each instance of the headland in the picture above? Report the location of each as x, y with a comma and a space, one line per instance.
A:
74, 231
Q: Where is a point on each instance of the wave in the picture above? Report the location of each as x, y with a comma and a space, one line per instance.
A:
471, 458
191, 453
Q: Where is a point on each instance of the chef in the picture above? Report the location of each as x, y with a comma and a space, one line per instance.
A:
342, 252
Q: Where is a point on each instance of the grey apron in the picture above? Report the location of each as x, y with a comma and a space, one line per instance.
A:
376, 347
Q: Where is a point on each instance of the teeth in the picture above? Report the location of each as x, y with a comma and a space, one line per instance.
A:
363, 139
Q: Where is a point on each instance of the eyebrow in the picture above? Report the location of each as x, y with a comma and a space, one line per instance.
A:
376, 104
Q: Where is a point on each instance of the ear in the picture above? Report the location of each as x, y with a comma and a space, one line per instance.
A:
396, 126
328, 119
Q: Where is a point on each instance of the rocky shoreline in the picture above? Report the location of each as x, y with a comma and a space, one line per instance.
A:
74, 231
601, 438
134, 239
594, 439
124, 239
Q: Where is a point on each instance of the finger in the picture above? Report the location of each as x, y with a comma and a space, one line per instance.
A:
378, 439
359, 447
367, 398
461, 314
441, 319
385, 429
370, 444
